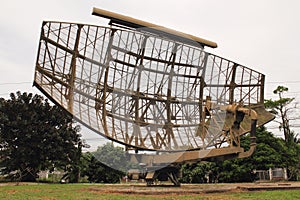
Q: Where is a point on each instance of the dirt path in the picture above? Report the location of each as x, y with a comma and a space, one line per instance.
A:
188, 189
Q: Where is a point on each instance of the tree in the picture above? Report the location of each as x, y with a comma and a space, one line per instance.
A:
283, 109
108, 164
77, 165
201, 172
97, 172
271, 152
35, 136
114, 157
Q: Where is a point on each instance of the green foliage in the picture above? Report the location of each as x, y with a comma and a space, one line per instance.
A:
76, 166
35, 136
276, 105
114, 157
237, 170
198, 172
280, 108
98, 172
271, 152
108, 164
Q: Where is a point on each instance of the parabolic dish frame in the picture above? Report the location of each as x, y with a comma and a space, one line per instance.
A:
145, 89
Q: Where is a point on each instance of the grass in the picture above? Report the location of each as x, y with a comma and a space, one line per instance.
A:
270, 195
97, 191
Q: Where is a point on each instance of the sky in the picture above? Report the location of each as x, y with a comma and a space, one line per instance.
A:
260, 34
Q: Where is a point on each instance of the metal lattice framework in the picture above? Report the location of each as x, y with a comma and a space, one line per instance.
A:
144, 90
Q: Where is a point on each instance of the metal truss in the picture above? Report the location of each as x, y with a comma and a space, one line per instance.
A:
144, 90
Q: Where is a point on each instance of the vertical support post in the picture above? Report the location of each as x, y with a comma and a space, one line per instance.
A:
139, 66
285, 177
201, 97
232, 84
262, 89
73, 70
270, 174
105, 87
169, 125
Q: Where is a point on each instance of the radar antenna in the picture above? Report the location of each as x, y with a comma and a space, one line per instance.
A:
151, 88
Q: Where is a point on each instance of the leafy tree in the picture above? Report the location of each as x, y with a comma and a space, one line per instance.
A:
108, 164
35, 136
283, 109
97, 172
101, 164
236, 170
201, 172
271, 152
114, 157
75, 170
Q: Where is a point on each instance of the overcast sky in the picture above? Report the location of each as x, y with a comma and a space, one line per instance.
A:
260, 34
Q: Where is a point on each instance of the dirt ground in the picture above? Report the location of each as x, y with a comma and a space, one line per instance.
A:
188, 189
184, 189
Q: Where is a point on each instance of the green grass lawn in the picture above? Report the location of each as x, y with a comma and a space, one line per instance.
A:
95, 191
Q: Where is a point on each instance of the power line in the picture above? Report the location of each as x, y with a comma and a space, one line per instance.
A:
14, 83
273, 82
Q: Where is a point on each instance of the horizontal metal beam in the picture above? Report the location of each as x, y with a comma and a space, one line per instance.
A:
153, 28
186, 156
